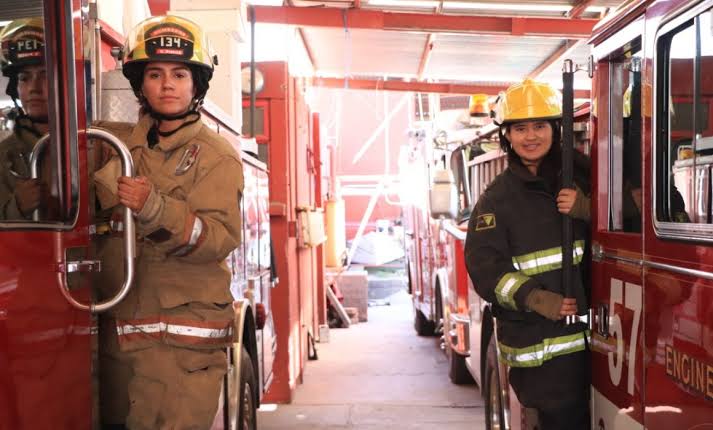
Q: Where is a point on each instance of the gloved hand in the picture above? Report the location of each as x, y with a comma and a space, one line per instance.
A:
565, 200
28, 194
574, 202
133, 192
550, 305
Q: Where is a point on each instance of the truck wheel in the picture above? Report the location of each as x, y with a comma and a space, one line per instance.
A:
408, 273
423, 326
247, 410
491, 391
457, 370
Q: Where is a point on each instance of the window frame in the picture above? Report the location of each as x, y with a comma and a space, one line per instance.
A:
63, 116
262, 109
696, 232
610, 55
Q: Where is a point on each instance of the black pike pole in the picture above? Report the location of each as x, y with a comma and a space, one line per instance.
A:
567, 172
252, 71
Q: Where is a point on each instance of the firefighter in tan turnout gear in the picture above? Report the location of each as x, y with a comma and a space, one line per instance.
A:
163, 348
513, 253
22, 61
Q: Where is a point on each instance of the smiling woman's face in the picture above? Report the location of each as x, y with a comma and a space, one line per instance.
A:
32, 90
531, 140
168, 87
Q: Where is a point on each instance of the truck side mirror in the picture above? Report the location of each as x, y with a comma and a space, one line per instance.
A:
443, 195
459, 167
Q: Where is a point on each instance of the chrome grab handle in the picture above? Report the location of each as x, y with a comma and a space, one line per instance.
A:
127, 169
587, 319
603, 320
37, 150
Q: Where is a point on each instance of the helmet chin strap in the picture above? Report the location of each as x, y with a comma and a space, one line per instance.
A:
153, 134
20, 125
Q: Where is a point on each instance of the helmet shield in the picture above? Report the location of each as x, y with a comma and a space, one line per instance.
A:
22, 43
167, 38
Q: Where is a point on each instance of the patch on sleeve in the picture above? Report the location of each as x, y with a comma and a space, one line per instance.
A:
485, 222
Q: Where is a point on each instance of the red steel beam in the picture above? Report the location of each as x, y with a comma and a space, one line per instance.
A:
426, 55
111, 36
425, 22
419, 87
578, 8
303, 38
428, 48
308, 48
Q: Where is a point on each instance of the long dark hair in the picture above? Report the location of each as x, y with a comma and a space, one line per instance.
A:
551, 165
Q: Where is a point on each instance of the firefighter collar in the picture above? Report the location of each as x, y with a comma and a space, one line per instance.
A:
168, 143
26, 131
521, 172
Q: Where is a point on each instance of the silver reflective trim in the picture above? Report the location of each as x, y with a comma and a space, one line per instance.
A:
196, 232
546, 261
180, 330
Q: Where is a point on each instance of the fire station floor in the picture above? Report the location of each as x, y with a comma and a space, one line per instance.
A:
378, 375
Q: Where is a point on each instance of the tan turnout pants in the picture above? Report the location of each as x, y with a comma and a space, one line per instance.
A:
161, 387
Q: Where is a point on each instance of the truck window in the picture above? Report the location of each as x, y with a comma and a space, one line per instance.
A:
625, 139
684, 137
34, 189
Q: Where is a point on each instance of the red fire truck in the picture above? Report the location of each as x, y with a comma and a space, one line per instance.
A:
651, 226
651, 313
49, 332
435, 225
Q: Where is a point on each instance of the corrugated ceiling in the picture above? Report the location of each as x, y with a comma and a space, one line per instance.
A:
463, 58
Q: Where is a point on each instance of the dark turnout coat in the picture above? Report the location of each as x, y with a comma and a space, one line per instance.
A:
513, 246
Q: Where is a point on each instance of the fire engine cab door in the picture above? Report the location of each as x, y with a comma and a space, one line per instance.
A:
678, 283
47, 331
617, 294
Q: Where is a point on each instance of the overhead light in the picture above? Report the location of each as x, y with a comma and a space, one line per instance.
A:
516, 7
426, 4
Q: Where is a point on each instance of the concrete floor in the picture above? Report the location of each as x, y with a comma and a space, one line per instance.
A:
378, 375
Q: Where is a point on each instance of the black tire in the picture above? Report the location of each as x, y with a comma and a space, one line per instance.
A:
247, 404
439, 321
494, 416
408, 273
457, 370
423, 326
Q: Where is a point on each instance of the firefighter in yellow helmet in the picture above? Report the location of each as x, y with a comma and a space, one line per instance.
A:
163, 347
22, 60
513, 253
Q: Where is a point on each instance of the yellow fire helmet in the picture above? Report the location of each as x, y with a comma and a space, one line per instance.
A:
167, 38
22, 43
528, 101
478, 106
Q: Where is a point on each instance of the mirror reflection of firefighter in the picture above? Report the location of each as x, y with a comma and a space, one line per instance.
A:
163, 355
22, 61
513, 254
